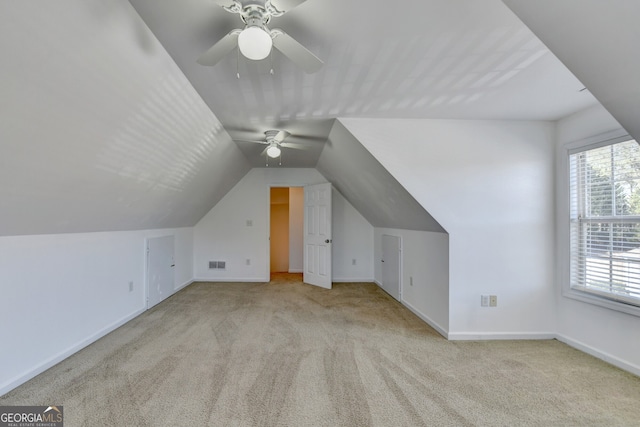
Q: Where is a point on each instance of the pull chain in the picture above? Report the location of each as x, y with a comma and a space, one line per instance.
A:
271, 60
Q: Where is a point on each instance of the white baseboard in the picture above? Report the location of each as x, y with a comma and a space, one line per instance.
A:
615, 361
429, 321
492, 336
455, 336
352, 280
54, 360
382, 287
231, 279
184, 285
259, 279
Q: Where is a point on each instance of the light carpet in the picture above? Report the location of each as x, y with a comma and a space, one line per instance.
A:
288, 354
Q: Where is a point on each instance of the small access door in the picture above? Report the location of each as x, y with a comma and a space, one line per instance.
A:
160, 280
317, 235
391, 261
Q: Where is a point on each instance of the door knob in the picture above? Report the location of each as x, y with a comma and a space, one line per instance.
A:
327, 241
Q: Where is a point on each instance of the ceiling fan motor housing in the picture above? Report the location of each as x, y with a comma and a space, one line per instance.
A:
256, 40
271, 134
255, 15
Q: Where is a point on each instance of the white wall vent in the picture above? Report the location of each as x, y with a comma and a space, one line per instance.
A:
217, 265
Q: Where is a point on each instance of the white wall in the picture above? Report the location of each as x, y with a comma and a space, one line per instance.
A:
605, 333
62, 292
223, 233
490, 184
352, 240
425, 258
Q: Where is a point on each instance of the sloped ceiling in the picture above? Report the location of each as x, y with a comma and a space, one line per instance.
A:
108, 123
456, 59
99, 129
368, 186
598, 41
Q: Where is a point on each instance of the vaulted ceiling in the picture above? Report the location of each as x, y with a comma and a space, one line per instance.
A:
108, 123
456, 59
99, 129
598, 41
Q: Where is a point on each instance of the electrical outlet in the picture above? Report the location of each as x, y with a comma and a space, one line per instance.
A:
130, 286
410, 280
493, 300
249, 223
353, 261
484, 300
248, 261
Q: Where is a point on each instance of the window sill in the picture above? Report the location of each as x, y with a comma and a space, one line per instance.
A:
601, 301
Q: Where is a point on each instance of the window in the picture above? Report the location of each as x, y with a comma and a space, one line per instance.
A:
605, 221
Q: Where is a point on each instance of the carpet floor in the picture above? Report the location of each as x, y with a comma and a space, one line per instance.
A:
288, 354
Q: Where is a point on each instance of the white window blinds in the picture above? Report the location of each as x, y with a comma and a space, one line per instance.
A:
605, 221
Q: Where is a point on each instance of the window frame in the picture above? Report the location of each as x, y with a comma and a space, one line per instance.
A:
564, 220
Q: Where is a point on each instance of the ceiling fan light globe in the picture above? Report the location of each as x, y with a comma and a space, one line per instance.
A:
255, 43
273, 151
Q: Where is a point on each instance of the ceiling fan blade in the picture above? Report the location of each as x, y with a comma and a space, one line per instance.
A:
312, 138
252, 141
220, 49
297, 53
286, 5
224, 3
294, 145
244, 129
281, 135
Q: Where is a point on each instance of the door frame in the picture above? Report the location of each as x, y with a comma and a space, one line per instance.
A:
269, 187
268, 216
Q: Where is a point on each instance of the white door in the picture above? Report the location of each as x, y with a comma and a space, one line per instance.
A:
317, 235
160, 280
391, 259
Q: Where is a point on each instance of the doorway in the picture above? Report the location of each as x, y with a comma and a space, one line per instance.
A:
286, 229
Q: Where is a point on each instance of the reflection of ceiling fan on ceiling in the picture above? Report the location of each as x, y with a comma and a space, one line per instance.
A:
274, 140
255, 40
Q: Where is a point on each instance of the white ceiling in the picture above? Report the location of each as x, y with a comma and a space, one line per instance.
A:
108, 123
368, 186
460, 59
597, 40
99, 130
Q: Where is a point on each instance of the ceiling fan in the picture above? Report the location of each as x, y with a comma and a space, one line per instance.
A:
274, 140
255, 41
